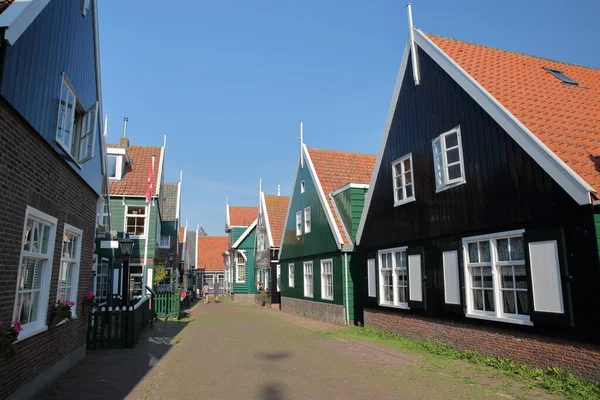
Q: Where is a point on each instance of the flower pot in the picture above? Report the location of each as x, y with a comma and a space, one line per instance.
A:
56, 319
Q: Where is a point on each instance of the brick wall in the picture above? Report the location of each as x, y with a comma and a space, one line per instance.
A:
333, 313
32, 173
580, 359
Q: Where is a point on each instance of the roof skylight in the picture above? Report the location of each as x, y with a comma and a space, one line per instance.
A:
560, 75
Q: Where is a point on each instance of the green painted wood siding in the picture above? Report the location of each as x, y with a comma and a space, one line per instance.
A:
320, 240
117, 210
249, 286
297, 291
169, 228
350, 204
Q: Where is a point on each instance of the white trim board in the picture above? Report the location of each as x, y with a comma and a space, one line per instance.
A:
18, 16
265, 213
350, 186
287, 214
244, 235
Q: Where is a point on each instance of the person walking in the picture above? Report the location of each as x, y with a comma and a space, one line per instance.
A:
205, 293
217, 288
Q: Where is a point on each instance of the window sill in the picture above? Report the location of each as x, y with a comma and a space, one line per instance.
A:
68, 153
400, 306
500, 319
399, 203
309, 297
25, 335
450, 186
327, 298
163, 247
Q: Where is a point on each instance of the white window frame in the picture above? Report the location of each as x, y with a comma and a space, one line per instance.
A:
307, 220
39, 325
497, 314
291, 276
405, 199
137, 216
239, 265
278, 278
73, 258
118, 167
309, 285
323, 288
102, 278
446, 182
395, 303
299, 223
302, 187
161, 244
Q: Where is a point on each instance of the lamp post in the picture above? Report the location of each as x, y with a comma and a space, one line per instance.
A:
126, 247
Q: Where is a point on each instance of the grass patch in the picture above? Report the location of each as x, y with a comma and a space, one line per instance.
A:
553, 379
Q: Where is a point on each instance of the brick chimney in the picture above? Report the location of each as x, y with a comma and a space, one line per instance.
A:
124, 142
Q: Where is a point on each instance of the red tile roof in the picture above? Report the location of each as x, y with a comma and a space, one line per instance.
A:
181, 233
210, 252
338, 168
565, 118
242, 215
276, 211
4, 4
135, 177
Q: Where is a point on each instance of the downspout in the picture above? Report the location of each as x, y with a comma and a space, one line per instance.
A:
347, 295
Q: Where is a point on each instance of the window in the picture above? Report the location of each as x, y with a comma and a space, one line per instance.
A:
327, 279
496, 277
101, 281
85, 7
278, 278
448, 160
307, 220
402, 172
291, 275
136, 275
260, 242
308, 279
240, 268
135, 220
165, 242
35, 271
561, 75
302, 187
76, 127
393, 278
68, 276
114, 167
299, 223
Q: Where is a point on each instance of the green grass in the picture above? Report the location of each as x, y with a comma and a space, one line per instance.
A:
553, 379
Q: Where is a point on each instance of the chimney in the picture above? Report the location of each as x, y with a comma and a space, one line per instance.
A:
278, 190
124, 142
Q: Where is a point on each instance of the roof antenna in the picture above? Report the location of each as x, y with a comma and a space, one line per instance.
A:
125, 119
413, 48
278, 190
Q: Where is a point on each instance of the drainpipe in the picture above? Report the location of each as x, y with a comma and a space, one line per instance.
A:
347, 295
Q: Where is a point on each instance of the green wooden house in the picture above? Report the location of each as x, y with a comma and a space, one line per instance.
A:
318, 265
240, 226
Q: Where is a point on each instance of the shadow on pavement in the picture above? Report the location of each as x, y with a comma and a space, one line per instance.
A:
113, 373
271, 392
274, 356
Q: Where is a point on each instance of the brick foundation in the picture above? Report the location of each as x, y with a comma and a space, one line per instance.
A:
333, 313
580, 359
32, 173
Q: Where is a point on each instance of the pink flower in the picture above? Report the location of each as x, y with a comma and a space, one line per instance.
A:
17, 326
89, 295
69, 303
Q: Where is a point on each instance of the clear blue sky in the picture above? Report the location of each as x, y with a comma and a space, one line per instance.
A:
229, 81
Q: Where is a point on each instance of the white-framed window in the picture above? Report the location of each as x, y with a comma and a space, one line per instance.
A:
76, 128
85, 7
302, 186
278, 278
307, 224
68, 275
35, 271
327, 279
114, 167
135, 221
291, 277
393, 277
448, 160
260, 242
101, 281
308, 279
240, 266
404, 188
299, 223
165, 242
496, 277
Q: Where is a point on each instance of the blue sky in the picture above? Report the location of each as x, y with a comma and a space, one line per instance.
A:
229, 81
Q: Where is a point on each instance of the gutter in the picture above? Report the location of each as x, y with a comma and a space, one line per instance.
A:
347, 295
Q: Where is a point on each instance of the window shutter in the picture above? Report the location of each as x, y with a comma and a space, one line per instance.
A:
86, 7
438, 165
548, 277
372, 277
416, 278
88, 134
451, 257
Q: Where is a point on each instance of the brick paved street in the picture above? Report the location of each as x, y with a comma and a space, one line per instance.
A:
242, 351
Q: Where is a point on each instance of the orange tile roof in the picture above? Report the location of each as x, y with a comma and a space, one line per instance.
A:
181, 233
276, 211
4, 4
338, 168
242, 215
210, 252
135, 177
565, 118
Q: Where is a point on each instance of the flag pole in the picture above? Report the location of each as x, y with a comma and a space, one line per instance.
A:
149, 274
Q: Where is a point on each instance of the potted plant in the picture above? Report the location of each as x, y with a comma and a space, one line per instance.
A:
61, 311
8, 335
89, 299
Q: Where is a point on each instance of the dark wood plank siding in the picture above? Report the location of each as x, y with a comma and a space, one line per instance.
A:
59, 40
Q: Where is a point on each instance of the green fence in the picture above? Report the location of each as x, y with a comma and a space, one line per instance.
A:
166, 305
117, 327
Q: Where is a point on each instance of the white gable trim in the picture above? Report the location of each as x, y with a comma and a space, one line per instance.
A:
572, 183
287, 214
350, 186
160, 168
18, 16
386, 132
265, 213
337, 212
227, 228
324, 202
244, 235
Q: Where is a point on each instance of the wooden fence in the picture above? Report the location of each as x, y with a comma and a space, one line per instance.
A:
166, 304
119, 326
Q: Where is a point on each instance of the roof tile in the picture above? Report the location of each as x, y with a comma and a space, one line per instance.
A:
242, 215
210, 252
136, 175
276, 210
169, 208
4, 5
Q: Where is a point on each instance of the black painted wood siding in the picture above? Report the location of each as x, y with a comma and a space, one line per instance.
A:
504, 185
59, 40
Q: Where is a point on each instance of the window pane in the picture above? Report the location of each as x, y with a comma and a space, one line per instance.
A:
508, 301
454, 171
452, 156
484, 251
507, 277
112, 166
45, 236
473, 254
398, 181
486, 273
407, 178
489, 300
28, 234
476, 277
522, 303
502, 249
28, 306
516, 249
409, 191
451, 140
399, 194
35, 237
31, 274
398, 169
520, 277
478, 299
406, 165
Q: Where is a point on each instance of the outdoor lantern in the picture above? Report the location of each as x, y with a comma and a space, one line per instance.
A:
171, 257
126, 246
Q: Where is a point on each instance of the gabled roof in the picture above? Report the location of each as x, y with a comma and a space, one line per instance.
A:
170, 199
241, 215
244, 235
565, 118
136, 175
210, 252
275, 208
4, 4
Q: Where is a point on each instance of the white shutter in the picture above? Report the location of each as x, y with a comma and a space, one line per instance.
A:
415, 280
88, 134
451, 277
438, 163
372, 277
545, 277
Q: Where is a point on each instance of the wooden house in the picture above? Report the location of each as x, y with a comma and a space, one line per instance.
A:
209, 265
318, 271
481, 225
240, 226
